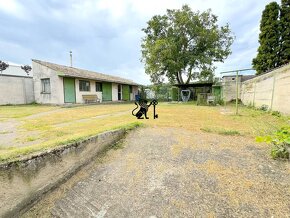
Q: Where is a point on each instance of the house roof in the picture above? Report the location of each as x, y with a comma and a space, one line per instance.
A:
247, 77
65, 71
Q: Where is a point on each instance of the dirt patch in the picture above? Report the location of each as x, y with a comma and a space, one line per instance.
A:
171, 172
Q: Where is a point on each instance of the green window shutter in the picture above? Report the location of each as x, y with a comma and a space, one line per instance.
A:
126, 92
107, 91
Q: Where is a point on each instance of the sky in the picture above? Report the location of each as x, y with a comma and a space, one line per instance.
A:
105, 35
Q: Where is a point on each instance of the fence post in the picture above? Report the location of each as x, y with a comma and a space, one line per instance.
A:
254, 93
273, 90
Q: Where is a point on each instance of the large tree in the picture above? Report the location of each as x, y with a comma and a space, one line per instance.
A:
273, 37
183, 43
268, 51
285, 32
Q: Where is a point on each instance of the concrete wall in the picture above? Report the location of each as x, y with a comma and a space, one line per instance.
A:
16, 90
271, 89
79, 94
23, 182
229, 88
56, 95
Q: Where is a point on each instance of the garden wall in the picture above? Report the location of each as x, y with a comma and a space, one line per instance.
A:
16, 89
23, 182
271, 89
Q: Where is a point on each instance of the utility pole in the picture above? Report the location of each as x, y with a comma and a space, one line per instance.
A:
70, 53
237, 85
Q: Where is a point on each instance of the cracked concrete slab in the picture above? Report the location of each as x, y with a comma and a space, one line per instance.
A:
170, 172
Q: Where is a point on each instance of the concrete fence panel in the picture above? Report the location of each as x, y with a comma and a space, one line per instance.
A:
271, 89
16, 90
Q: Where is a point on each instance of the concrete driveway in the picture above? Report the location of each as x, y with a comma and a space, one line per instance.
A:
168, 172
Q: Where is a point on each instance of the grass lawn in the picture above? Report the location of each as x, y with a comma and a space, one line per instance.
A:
32, 128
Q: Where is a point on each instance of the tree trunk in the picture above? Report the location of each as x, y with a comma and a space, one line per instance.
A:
180, 78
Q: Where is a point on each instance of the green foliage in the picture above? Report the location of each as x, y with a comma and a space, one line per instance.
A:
285, 31
219, 101
267, 57
221, 131
274, 38
276, 113
280, 141
183, 42
264, 107
174, 94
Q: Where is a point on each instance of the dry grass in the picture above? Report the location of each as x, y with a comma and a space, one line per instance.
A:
63, 125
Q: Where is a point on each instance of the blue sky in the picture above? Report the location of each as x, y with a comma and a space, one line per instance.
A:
105, 35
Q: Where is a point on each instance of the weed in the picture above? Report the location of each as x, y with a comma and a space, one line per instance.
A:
221, 131
229, 132
276, 113
264, 107
280, 141
5, 132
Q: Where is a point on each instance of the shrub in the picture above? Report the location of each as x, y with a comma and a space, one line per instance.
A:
276, 113
280, 141
264, 107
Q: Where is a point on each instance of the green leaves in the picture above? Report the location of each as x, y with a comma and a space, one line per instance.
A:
184, 43
280, 141
274, 37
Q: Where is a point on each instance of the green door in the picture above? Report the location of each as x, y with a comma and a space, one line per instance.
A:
107, 91
125, 92
69, 90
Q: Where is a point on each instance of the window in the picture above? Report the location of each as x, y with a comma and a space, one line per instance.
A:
84, 85
130, 88
99, 87
45, 86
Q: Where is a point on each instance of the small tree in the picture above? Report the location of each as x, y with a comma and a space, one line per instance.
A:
268, 51
26, 68
184, 43
3, 66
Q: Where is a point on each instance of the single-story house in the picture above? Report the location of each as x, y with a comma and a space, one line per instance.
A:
58, 84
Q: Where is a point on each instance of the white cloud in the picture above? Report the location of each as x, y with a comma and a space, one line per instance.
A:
105, 35
14, 8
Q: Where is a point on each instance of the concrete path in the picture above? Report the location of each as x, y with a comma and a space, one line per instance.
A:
166, 172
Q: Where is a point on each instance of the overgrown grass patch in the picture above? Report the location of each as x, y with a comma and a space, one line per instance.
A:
20, 111
64, 125
220, 131
10, 154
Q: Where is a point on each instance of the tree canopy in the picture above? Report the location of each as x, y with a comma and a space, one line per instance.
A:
267, 57
274, 37
285, 31
183, 43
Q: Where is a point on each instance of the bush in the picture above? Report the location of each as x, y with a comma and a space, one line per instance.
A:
280, 141
264, 107
276, 113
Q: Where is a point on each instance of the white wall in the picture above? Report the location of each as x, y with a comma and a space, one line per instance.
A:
271, 89
16, 90
56, 95
79, 94
230, 89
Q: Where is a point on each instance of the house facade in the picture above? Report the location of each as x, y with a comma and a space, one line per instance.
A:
58, 84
